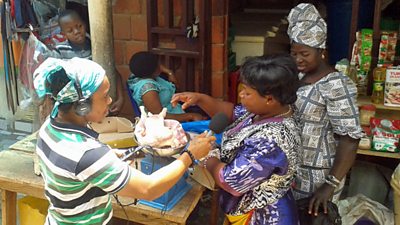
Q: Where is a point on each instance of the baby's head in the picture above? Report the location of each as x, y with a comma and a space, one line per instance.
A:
144, 65
269, 78
72, 26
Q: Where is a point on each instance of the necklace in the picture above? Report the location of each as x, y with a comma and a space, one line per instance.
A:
285, 113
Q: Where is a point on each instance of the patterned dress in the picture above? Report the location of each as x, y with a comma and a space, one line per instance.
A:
261, 162
326, 108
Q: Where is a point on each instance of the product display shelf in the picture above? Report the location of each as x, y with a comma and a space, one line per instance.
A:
394, 155
365, 100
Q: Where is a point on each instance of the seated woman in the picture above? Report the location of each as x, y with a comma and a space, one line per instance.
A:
258, 159
152, 91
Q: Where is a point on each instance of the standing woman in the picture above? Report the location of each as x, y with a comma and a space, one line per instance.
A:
328, 111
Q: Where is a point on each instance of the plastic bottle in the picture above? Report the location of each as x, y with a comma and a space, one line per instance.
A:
379, 75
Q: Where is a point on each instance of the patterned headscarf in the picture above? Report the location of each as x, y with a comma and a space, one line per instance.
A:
89, 74
306, 26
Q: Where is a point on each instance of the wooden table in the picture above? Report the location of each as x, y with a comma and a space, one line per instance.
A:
16, 176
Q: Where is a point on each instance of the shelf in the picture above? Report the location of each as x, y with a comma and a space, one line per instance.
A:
394, 155
365, 100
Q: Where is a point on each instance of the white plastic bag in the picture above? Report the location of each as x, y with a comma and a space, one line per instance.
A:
353, 208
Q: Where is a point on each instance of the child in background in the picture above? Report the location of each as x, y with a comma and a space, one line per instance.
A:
79, 45
78, 42
152, 91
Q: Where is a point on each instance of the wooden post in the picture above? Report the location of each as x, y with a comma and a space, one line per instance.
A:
375, 45
377, 33
101, 32
353, 27
214, 208
9, 207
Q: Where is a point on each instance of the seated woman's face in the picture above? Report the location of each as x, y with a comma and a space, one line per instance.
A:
307, 58
101, 101
252, 100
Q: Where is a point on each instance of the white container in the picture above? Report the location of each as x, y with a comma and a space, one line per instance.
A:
392, 87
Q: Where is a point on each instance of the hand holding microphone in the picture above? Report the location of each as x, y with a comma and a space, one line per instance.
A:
218, 124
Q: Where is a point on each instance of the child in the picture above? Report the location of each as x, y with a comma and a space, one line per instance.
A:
78, 41
79, 45
152, 91
258, 159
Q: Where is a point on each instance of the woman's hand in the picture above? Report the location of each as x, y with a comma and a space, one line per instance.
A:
171, 76
201, 145
188, 99
321, 196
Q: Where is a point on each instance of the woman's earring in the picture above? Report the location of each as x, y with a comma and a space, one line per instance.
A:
323, 56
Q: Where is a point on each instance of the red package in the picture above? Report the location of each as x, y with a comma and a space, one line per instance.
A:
385, 135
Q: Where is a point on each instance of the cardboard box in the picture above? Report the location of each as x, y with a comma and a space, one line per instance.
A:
392, 87
116, 132
203, 177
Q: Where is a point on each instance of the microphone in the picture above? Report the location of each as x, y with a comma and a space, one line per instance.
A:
132, 152
218, 124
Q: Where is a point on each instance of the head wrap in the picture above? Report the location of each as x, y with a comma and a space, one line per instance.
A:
89, 74
306, 26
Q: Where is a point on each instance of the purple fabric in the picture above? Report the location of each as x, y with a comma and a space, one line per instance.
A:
238, 111
257, 160
252, 162
255, 163
283, 212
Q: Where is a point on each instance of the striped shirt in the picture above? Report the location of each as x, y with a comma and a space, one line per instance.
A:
68, 50
79, 174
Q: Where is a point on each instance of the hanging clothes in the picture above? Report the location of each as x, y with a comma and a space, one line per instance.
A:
24, 13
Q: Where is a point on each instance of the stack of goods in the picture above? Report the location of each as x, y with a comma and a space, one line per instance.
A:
361, 57
367, 112
385, 135
387, 47
381, 134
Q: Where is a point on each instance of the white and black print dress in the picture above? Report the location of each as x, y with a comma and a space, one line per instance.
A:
325, 108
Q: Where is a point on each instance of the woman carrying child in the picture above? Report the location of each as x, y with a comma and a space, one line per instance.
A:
258, 159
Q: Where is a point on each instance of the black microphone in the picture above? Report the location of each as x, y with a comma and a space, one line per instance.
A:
218, 124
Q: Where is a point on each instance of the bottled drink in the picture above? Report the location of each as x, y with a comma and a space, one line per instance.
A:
379, 75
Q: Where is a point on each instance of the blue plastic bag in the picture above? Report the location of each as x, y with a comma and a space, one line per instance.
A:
199, 127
